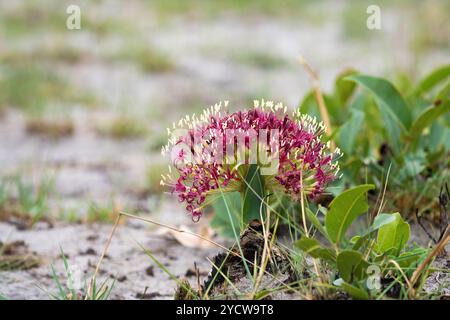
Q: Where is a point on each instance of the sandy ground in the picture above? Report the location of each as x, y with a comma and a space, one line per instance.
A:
126, 261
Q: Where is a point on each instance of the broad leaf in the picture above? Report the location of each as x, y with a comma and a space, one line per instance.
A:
351, 265
312, 247
381, 220
386, 94
426, 118
350, 131
253, 195
357, 241
225, 207
344, 209
394, 111
414, 165
412, 258
354, 292
344, 89
434, 78
393, 235
437, 137
309, 105
444, 93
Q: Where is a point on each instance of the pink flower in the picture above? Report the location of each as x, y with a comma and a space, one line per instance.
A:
200, 154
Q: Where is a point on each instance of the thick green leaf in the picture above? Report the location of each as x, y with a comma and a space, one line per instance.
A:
394, 129
309, 105
344, 209
437, 137
412, 258
354, 292
444, 93
253, 195
343, 89
393, 235
394, 111
221, 219
357, 241
434, 78
386, 94
351, 265
312, 247
350, 131
426, 118
381, 220
414, 165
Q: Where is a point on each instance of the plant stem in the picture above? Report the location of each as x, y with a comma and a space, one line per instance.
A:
319, 98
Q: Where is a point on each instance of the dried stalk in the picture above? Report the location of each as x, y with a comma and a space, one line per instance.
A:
319, 98
122, 213
437, 249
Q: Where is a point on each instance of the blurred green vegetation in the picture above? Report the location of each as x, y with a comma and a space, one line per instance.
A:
21, 200
123, 127
31, 87
101, 212
28, 71
206, 7
153, 174
260, 59
146, 58
390, 134
425, 23
37, 17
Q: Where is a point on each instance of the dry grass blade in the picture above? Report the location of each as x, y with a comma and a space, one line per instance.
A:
121, 213
319, 98
266, 256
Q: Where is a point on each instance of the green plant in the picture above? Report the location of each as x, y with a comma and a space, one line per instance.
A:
226, 152
227, 212
380, 129
123, 127
71, 290
20, 199
375, 256
251, 7
30, 86
3, 193
101, 213
153, 175
33, 203
260, 59
147, 58
70, 214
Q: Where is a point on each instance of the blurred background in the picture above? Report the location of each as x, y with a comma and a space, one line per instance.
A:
84, 111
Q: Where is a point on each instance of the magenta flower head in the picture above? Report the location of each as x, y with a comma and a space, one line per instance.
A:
211, 153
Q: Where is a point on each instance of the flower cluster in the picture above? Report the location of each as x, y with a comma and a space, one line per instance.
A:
198, 146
